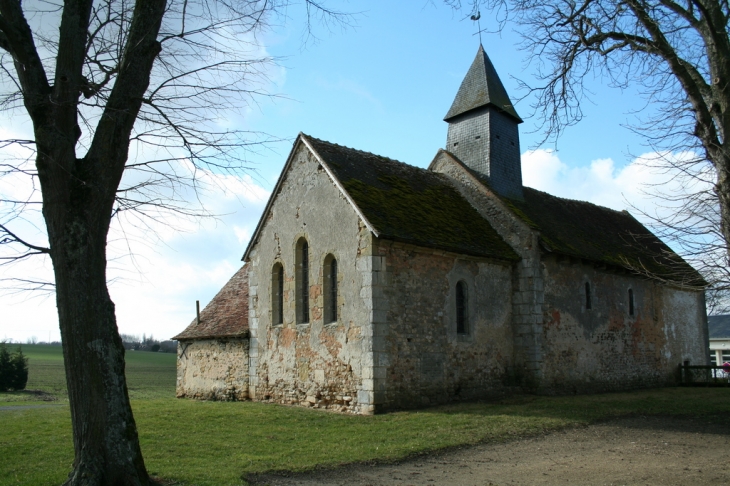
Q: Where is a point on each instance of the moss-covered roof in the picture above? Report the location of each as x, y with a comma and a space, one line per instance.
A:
411, 205
583, 230
227, 313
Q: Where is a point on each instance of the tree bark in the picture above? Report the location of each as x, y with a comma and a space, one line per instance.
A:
77, 215
105, 434
78, 201
721, 161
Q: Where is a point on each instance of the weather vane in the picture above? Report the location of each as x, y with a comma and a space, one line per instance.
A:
476, 18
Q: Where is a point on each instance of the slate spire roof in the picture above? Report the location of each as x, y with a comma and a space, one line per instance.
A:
481, 87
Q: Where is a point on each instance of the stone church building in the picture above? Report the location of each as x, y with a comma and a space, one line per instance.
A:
371, 285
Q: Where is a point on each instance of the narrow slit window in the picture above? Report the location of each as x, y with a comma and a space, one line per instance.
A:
330, 289
588, 295
631, 302
302, 284
461, 309
277, 294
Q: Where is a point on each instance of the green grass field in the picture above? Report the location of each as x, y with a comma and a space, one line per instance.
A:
215, 443
149, 375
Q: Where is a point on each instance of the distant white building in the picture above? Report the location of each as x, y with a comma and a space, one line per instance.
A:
719, 327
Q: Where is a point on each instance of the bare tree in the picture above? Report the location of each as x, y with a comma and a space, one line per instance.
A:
127, 100
676, 53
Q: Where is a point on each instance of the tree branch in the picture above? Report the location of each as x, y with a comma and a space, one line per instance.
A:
13, 238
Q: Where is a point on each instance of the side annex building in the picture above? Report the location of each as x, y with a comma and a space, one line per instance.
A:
371, 285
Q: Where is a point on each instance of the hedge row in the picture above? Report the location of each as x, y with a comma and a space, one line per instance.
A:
13, 369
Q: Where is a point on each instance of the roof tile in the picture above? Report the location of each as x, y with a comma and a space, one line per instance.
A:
226, 315
412, 205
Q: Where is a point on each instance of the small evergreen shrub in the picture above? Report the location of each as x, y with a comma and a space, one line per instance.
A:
13, 369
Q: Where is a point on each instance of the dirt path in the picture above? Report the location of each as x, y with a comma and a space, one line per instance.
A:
628, 451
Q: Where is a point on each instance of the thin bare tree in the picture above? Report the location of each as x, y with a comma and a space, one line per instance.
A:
128, 101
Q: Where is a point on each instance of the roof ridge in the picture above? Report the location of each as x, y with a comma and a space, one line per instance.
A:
372, 154
620, 211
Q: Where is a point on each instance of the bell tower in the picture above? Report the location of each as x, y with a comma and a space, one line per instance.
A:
483, 130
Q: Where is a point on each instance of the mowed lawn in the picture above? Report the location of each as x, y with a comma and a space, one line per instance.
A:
149, 375
189, 442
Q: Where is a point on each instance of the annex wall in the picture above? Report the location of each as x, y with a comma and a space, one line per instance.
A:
213, 369
316, 363
601, 346
422, 360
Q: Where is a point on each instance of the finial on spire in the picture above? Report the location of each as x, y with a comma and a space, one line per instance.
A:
476, 18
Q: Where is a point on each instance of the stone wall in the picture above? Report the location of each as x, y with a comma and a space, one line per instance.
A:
318, 364
213, 369
605, 348
527, 279
423, 361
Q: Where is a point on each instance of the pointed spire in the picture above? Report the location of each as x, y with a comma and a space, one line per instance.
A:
481, 87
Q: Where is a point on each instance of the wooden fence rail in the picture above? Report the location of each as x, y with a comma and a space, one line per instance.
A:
703, 375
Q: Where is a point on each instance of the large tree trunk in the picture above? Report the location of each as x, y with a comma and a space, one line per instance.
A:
106, 444
722, 189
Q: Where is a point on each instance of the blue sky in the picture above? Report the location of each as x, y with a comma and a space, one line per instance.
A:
382, 85
385, 86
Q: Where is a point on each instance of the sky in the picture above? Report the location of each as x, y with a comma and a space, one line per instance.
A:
382, 85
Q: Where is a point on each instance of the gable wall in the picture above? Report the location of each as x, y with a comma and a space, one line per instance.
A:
313, 364
604, 348
422, 359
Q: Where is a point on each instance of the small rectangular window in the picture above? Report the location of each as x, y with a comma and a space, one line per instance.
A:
277, 294
330, 289
333, 290
305, 282
461, 309
302, 282
588, 295
631, 302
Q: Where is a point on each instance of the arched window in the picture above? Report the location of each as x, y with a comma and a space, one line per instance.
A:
302, 281
277, 294
588, 295
330, 289
631, 302
462, 318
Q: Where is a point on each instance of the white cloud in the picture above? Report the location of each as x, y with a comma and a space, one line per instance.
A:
602, 182
155, 287
155, 280
350, 87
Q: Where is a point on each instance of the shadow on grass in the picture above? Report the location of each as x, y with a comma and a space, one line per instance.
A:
27, 396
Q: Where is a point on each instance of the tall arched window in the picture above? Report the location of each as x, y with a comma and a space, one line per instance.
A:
631, 302
588, 295
277, 294
302, 281
330, 289
462, 321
